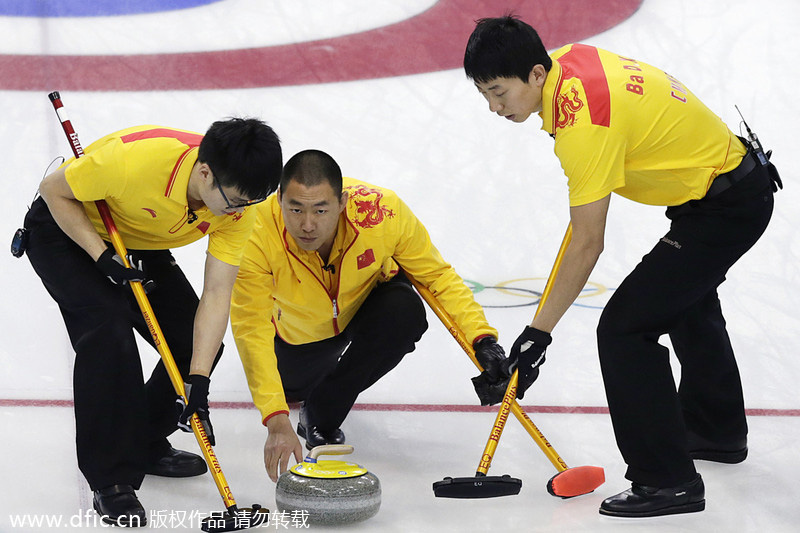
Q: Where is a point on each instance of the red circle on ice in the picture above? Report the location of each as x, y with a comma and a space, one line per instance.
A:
430, 41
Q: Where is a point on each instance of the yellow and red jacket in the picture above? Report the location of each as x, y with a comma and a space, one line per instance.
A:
285, 290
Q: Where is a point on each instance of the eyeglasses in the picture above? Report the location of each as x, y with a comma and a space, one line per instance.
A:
239, 205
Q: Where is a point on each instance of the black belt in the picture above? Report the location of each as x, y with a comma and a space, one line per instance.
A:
723, 182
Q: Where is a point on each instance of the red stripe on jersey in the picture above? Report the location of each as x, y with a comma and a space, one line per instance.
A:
189, 139
174, 173
583, 62
192, 140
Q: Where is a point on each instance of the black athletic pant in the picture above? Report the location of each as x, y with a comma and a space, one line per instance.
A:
330, 374
674, 291
121, 421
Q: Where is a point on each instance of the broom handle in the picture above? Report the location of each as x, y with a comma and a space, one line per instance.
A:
460, 338
511, 391
509, 400
149, 317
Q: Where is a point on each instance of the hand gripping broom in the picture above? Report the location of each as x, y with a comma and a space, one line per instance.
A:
568, 482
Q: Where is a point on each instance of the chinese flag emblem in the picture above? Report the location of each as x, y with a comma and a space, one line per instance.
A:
366, 259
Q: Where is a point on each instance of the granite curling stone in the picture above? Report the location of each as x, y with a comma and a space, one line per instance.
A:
330, 492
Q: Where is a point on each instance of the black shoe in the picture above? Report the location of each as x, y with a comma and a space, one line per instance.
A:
315, 436
732, 452
641, 501
176, 463
118, 505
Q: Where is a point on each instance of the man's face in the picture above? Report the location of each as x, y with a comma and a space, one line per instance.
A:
311, 214
513, 98
220, 200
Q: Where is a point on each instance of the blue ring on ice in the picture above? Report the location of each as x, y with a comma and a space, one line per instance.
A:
94, 8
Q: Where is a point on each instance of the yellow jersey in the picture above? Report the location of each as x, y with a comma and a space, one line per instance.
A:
143, 173
623, 126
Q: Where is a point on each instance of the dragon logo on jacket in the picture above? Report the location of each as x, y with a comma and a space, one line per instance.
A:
369, 211
568, 107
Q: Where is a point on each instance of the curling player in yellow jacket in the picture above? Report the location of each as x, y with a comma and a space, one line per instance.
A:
322, 308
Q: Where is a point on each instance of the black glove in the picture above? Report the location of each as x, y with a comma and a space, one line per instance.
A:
197, 392
527, 354
111, 265
491, 384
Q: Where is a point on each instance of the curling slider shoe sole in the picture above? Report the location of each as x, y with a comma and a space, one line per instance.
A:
479, 486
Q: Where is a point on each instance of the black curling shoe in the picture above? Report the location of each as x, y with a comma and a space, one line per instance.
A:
315, 436
642, 501
118, 505
177, 463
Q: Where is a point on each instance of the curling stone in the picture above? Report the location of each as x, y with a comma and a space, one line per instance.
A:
331, 492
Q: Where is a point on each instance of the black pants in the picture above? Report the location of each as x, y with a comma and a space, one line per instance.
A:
121, 421
674, 291
330, 374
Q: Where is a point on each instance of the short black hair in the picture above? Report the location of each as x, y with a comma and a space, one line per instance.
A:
504, 47
243, 153
312, 167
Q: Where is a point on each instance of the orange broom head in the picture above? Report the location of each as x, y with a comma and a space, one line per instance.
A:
576, 481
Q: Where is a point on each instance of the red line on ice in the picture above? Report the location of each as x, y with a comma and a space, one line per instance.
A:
410, 407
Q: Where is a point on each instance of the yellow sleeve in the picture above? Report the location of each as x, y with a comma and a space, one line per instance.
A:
99, 174
253, 331
593, 158
417, 255
228, 243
